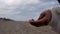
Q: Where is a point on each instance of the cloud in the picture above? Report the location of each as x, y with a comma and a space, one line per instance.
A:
48, 0
20, 2
24, 9
9, 12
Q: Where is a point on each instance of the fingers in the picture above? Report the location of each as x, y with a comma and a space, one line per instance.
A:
34, 23
43, 19
31, 21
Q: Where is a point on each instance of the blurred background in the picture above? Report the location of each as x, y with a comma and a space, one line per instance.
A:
23, 10
14, 15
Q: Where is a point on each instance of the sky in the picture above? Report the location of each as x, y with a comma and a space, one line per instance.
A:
23, 10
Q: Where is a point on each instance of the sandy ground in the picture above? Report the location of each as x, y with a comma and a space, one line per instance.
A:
15, 27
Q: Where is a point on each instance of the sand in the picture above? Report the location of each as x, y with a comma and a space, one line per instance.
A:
20, 27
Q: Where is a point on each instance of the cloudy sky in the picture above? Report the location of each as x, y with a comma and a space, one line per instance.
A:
23, 10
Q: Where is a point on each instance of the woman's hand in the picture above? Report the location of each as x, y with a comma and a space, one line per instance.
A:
44, 18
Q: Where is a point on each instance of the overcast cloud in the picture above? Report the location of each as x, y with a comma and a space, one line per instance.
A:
23, 10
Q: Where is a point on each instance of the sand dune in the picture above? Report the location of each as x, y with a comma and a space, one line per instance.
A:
19, 27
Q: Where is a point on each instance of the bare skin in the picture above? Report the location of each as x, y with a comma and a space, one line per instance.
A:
44, 19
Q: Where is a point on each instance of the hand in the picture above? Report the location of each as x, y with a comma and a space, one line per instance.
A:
43, 19
31, 21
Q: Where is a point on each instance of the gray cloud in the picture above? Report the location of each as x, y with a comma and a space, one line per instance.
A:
23, 9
